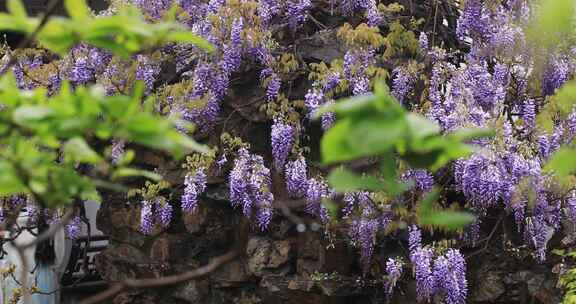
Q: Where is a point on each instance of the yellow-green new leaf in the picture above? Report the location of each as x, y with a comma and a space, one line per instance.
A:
17, 9
77, 9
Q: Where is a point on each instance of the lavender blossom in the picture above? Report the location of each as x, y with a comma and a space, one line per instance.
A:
571, 209
394, 272
450, 277
557, 72
154, 9
297, 13
414, 239
194, 186
423, 41
296, 177
282, 141
117, 150
313, 100
315, 192
81, 72
250, 184
164, 212
423, 181
146, 218
425, 282
147, 72
528, 114
73, 228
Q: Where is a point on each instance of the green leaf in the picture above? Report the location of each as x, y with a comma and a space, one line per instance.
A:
348, 106
466, 134
425, 207
17, 9
553, 18
24, 115
334, 146
445, 219
132, 172
10, 183
77, 150
376, 134
448, 219
343, 180
331, 207
562, 162
189, 37
421, 126
77, 9
566, 98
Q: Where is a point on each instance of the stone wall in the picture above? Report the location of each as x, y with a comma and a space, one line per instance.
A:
285, 266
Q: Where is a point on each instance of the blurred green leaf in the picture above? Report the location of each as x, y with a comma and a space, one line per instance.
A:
466, 134
16, 8
334, 146
77, 150
566, 98
553, 19
132, 172
448, 219
27, 114
77, 9
189, 37
445, 219
421, 126
562, 162
343, 180
331, 207
10, 183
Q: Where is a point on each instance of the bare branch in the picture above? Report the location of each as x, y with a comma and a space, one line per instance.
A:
119, 287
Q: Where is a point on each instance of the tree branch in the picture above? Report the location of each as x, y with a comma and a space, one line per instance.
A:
119, 287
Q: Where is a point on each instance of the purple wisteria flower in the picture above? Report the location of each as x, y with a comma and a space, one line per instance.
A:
365, 228
194, 185
425, 282
528, 114
282, 137
232, 57
154, 9
315, 192
274, 83
297, 12
250, 184
450, 277
267, 9
414, 239
73, 228
394, 272
422, 180
571, 209
146, 218
556, 73
355, 68
474, 21
147, 71
164, 212
313, 100
117, 150
81, 72
423, 41
296, 176
328, 119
